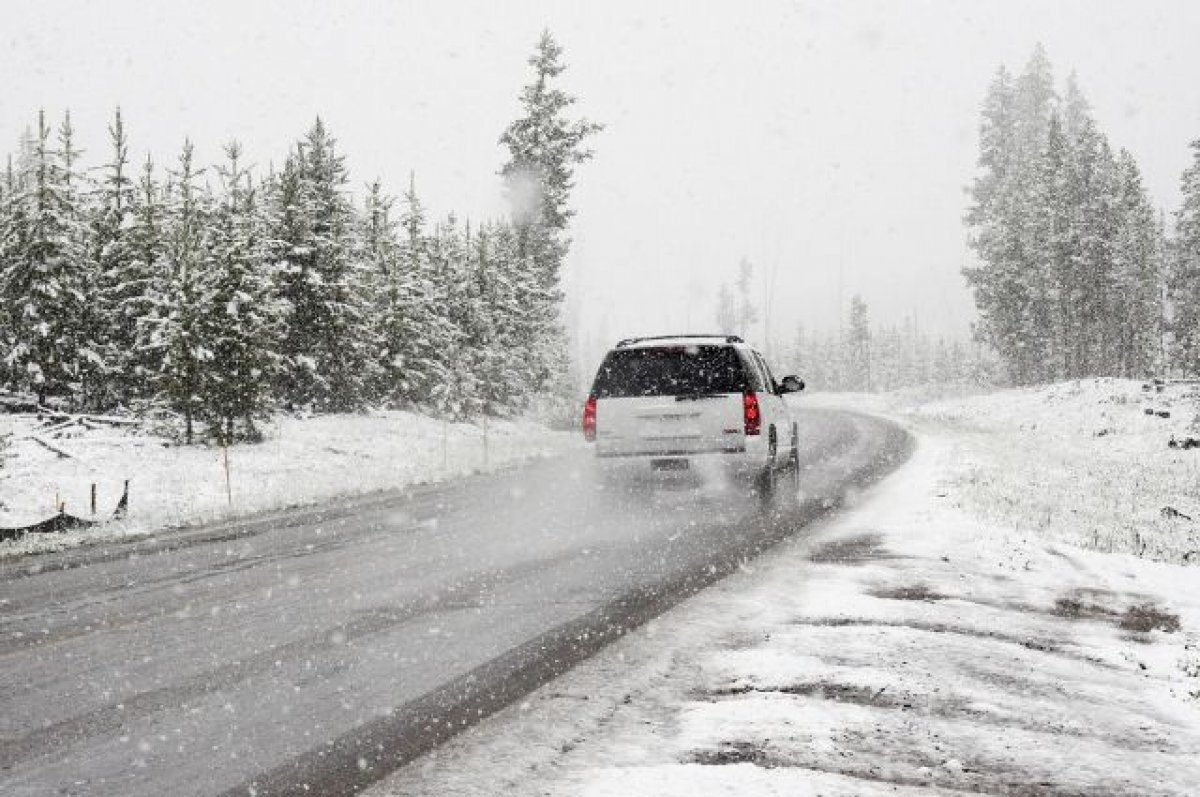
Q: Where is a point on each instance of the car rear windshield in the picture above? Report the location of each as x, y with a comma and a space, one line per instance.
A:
670, 371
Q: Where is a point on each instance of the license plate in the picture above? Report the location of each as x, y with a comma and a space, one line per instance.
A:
670, 464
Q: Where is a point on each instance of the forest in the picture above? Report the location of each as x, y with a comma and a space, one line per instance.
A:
1078, 274
216, 296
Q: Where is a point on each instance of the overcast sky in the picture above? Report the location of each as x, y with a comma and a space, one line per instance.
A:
829, 143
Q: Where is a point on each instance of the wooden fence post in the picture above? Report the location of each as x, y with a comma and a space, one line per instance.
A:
228, 486
445, 445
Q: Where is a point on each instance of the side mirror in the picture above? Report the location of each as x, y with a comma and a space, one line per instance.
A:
792, 384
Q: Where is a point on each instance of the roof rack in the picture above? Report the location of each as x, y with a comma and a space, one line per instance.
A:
631, 341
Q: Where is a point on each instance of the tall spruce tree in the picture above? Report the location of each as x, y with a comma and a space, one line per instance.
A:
239, 313
1185, 272
419, 333
326, 337
380, 248
1067, 265
119, 279
10, 245
1137, 278
141, 301
178, 321
859, 345
42, 283
544, 147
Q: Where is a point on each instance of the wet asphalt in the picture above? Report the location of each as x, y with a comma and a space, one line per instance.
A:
316, 650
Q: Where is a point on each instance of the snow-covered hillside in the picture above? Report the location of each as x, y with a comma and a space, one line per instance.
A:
301, 462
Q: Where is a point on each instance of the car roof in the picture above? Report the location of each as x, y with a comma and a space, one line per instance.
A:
679, 340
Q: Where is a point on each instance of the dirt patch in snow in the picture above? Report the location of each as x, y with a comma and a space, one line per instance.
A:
1032, 643
922, 771
1139, 618
735, 753
1148, 617
911, 592
855, 550
1072, 607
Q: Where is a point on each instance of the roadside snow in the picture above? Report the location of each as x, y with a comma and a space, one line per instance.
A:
1083, 462
919, 644
303, 461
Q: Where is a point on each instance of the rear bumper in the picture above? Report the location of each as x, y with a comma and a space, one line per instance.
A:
659, 454
749, 456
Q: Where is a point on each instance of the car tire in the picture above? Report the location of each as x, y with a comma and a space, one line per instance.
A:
766, 483
789, 483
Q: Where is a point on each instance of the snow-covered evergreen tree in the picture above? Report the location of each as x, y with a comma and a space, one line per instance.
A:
42, 283
177, 321
544, 147
1185, 273
859, 344
89, 322
326, 338
240, 317
140, 291
456, 394
1137, 279
416, 331
491, 333
1067, 265
726, 311
994, 222
380, 250
10, 242
119, 281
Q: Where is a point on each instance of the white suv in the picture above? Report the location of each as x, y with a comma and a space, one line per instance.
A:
664, 402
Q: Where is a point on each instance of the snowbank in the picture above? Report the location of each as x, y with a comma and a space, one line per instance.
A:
302, 461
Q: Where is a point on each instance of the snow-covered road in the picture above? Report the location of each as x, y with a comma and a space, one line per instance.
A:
316, 650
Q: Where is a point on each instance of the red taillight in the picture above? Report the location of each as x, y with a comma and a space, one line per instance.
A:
752, 415
589, 419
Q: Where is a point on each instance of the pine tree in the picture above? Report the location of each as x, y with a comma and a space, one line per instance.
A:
119, 279
1185, 273
727, 311
453, 395
42, 283
239, 316
1136, 277
178, 323
994, 222
326, 336
544, 147
87, 325
381, 259
493, 335
859, 349
747, 313
1092, 189
417, 332
141, 303
10, 248
1065, 282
